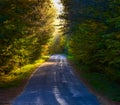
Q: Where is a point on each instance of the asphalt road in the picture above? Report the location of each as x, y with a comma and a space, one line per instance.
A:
54, 83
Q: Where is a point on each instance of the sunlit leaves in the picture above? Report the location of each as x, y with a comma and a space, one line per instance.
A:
25, 26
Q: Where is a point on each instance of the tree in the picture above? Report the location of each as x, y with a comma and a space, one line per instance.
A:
93, 28
25, 26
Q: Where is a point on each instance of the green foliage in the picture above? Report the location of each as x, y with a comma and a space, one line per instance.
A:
17, 76
93, 29
99, 81
104, 86
84, 45
25, 26
57, 44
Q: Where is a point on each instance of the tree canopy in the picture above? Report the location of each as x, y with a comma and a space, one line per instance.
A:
25, 27
92, 27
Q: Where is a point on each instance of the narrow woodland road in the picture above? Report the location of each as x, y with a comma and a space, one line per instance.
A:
54, 83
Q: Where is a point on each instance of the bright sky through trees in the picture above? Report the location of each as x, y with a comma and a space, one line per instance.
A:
58, 6
59, 10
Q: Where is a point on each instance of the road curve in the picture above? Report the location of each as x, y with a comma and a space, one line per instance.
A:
54, 83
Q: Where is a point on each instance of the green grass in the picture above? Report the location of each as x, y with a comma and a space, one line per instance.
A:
103, 85
100, 82
15, 77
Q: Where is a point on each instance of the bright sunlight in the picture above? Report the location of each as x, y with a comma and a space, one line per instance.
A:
58, 6
59, 10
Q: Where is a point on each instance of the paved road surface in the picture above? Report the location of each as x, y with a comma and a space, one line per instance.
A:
54, 83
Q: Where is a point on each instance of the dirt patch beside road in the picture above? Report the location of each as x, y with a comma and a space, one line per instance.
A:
7, 95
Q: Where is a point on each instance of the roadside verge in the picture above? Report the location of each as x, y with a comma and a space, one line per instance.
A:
14, 83
88, 79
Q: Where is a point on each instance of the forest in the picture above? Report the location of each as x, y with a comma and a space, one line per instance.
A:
92, 30
25, 29
90, 34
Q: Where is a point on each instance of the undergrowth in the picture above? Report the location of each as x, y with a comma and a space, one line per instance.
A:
99, 81
15, 77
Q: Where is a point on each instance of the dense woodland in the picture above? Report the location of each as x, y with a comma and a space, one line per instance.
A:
25, 28
91, 29
93, 32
